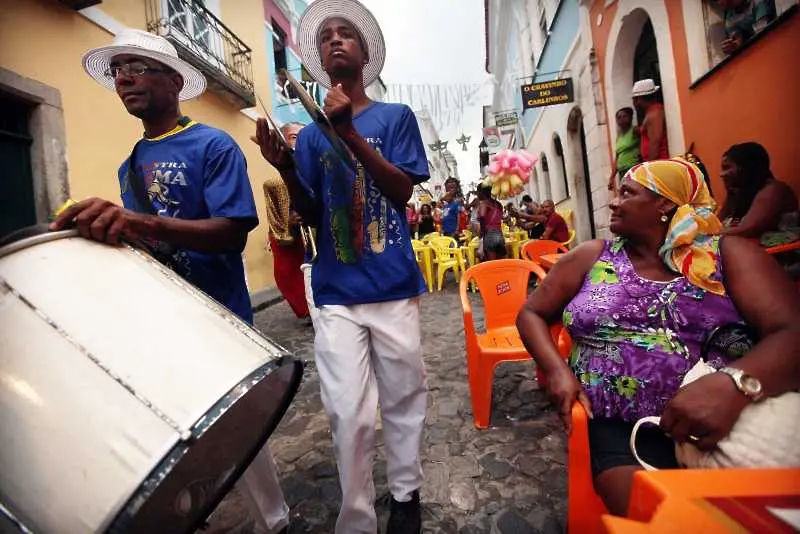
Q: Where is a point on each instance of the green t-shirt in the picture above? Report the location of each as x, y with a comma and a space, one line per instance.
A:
627, 150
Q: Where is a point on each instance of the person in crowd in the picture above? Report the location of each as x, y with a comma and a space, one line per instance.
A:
653, 131
490, 218
627, 150
452, 208
426, 222
530, 217
757, 205
555, 227
463, 219
437, 214
285, 241
412, 218
527, 205
366, 281
640, 307
743, 19
185, 195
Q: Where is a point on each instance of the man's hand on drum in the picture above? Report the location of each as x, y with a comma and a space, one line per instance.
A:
104, 221
272, 148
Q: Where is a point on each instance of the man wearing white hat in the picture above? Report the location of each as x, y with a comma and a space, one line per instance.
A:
366, 282
186, 195
653, 131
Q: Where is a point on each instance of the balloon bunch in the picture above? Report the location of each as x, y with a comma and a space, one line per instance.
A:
509, 171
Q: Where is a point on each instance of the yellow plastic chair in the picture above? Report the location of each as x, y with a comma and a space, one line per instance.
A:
427, 237
470, 251
571, 239
423, 254
446, 256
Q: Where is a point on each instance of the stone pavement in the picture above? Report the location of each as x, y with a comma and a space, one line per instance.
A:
510, 478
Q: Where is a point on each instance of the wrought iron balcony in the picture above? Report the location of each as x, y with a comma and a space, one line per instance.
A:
204, 41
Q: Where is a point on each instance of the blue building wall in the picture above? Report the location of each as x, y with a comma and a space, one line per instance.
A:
279, 109
563, 32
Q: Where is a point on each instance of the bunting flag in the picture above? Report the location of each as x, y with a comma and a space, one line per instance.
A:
445, 103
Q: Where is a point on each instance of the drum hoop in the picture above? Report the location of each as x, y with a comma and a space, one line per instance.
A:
23, 528
140, 495
45, 237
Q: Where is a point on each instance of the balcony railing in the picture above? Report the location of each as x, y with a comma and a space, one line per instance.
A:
204, 41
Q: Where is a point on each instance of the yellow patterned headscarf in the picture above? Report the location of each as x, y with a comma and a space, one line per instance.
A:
689, 247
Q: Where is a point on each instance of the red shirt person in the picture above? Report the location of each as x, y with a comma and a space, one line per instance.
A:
556, 228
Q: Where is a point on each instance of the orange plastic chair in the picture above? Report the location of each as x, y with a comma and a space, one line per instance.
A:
584, 507
779, 249
503, 286
536, 248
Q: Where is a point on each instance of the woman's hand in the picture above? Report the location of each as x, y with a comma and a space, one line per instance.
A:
704, 411
564, 389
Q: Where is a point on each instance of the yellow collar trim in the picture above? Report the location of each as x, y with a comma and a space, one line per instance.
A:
173, 131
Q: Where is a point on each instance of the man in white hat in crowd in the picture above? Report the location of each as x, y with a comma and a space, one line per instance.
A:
366, 282
653, 130
185, 193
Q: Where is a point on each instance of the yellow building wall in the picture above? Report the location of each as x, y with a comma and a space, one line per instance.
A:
44, 41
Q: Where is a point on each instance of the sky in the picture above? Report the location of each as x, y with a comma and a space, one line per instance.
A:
438, 42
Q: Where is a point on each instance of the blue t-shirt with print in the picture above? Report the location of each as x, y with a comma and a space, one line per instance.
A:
364, 250
198, 173
450, 217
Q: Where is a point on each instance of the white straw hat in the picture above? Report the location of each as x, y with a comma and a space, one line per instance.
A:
149, 45
644, 87
360, 17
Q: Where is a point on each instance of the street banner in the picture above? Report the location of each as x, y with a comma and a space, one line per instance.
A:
507, 123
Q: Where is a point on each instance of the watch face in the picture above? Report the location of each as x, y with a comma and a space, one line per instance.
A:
751, 385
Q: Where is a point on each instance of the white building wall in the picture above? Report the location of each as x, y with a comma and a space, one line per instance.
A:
554, 120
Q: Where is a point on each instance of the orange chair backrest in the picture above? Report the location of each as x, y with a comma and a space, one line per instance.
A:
536, 248
503, 286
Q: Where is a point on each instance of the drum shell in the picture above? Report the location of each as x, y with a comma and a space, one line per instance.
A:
107, 361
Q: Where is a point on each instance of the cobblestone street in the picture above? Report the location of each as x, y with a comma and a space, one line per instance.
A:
510, 478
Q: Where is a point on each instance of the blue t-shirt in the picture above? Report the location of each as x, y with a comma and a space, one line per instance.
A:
450, 217
364, 250
198, 173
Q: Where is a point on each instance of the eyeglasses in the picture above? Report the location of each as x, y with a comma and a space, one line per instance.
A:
130, 69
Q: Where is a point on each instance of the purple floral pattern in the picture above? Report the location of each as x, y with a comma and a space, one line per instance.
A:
635, 339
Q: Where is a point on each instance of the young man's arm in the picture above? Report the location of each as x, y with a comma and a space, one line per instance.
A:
226, 191
390, 176
395, 184
279, 157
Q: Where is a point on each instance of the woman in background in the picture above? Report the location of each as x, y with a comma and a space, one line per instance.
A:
490, 217
425, 223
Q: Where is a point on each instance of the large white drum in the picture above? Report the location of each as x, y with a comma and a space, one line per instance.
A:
129, 401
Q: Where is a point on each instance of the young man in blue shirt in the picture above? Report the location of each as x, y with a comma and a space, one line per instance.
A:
185, 192
366, 282
452, 208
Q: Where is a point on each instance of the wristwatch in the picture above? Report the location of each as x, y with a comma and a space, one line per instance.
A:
747, 384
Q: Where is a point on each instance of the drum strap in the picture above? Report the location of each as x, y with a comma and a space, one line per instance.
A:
143, 203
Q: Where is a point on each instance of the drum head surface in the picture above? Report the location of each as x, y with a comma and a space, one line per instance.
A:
189, 484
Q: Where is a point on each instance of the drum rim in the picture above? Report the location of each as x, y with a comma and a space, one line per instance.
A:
32, 241
117, 521
17, 522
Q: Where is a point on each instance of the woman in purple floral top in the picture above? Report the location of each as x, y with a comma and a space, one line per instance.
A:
639, 308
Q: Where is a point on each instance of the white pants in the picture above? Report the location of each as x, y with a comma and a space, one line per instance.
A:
366, 353
313, 312
260, 487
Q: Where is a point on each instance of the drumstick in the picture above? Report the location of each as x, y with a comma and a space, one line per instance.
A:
271, 122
